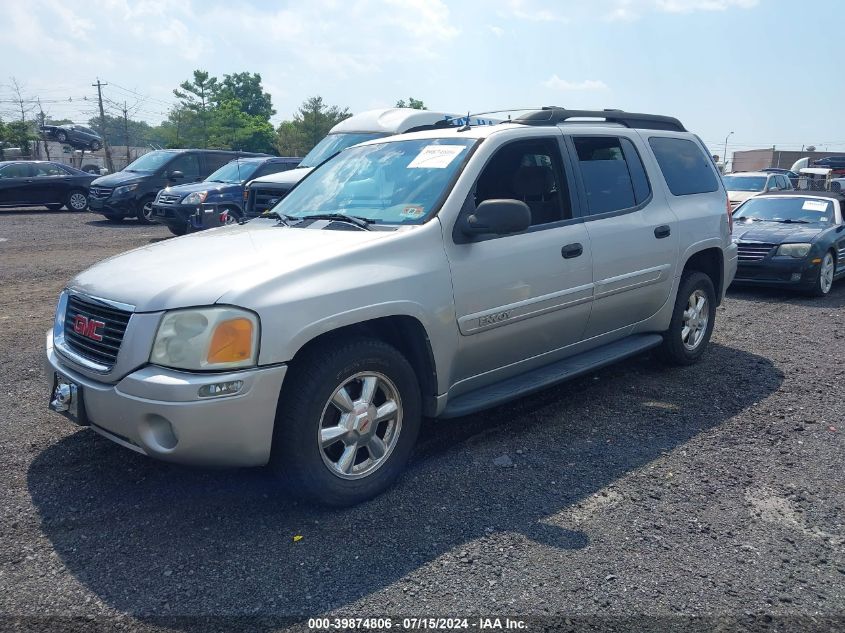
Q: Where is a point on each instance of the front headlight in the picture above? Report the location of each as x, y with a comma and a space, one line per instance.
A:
121, 191
794, 250
198, 197
206, 339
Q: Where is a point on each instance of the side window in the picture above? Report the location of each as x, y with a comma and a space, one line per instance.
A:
613, 174
215, 161
18, 170
531, 171
270, 168
784, 183
48, 169
684, 165
188, 164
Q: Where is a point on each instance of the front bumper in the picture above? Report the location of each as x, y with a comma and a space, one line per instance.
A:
112, 205
157, 412
190, 217
778, 272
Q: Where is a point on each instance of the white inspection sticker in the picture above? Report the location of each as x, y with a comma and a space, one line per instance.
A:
814, 205
435, 156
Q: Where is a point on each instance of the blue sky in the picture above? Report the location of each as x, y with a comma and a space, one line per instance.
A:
759, 68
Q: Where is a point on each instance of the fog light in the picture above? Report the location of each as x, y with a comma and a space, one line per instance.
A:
218, 389
796, 277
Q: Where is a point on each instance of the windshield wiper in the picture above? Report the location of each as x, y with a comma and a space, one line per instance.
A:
362, 223
281, 217
791, 221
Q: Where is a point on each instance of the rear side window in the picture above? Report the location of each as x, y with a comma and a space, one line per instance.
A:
613, 174
215, 161
683, 163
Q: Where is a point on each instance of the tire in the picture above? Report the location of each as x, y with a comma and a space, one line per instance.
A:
827, 271
144, 210
61, 136
178, 231
233, 215
95, 145
54, 207
343, 471
681, 346
113, 218
76, 201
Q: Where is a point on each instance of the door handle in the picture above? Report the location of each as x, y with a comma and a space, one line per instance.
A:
662, 231
571, 250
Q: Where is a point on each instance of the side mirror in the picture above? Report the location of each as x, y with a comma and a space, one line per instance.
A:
176, 175
498, 217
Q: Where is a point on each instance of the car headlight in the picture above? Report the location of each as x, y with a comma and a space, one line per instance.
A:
120, 191
794, 250
198, 197
206, 339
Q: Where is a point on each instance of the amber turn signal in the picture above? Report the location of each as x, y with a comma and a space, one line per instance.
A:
232, 341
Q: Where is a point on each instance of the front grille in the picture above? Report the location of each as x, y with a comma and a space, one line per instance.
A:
753, 251
100, 193
168, 198
103, 352
265, 198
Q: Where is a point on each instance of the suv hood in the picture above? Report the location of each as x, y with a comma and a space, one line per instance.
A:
775, 232
191, 187
120, 178
289, 177
200, 268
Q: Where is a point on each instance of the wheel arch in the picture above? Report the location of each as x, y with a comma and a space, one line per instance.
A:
711, 262
404, 332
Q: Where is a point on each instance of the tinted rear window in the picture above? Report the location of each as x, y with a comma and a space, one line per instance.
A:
684, 165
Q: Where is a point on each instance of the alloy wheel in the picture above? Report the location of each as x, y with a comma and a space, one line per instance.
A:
360, 425
77, 201
695, 320
826, 273
147, 211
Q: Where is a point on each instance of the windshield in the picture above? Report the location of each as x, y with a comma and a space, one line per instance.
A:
392, 183
234, 172
744, 183
150, 161
786, 209
334, 143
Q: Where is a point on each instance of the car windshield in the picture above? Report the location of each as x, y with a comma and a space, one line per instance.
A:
334, 143
744, 183
398, 182
786, 209
150, 161
234, 172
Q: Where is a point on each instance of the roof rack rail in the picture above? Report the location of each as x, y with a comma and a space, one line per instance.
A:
552, 115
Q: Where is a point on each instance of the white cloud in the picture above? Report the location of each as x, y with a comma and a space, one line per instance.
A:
556, 83
633, 9
498, 31
525, 10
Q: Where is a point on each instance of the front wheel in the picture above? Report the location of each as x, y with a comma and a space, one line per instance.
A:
145, 210
61, 137
692, 320
827, 271
347, 421
76, 201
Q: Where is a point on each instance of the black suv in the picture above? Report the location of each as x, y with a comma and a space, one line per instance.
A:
131, 192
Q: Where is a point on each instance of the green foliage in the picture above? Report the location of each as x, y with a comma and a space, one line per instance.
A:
233, 128
247, 89
18, 134
309, 125
140, 133
416, 104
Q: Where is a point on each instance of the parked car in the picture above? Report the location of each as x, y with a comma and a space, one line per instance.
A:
836, 163
743, 185
437, 273
265, 192
131, 192
791, 175
220, 196
77, 136
37, 183
791, 239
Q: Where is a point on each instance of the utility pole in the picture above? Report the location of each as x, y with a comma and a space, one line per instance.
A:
41, 120
126, 131
725, 157
99, 86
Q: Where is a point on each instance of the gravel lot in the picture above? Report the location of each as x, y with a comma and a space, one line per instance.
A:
715, 490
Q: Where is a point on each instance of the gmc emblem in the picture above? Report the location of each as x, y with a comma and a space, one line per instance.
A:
88, 328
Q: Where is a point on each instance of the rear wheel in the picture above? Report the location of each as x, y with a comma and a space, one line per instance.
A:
54, 207
113, 218
61, 136
145, 210
692, 320
347, 421
178, 230
95, 145
76, 201
827, 271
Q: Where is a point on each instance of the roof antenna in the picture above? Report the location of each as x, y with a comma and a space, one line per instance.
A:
466, 126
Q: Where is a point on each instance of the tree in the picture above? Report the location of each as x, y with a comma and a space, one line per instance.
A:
416, 104
196, 96
232, 128
246, 88
309, 125
20, 134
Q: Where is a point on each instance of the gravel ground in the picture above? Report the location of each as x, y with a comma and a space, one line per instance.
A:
639, 497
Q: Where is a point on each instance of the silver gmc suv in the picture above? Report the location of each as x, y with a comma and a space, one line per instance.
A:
435, 274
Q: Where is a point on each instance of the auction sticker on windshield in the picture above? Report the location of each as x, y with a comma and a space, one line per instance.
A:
814, 205
436, 156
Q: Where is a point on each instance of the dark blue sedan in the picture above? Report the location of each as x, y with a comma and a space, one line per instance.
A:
791, 239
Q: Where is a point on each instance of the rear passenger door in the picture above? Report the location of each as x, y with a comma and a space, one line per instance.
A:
633, 233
